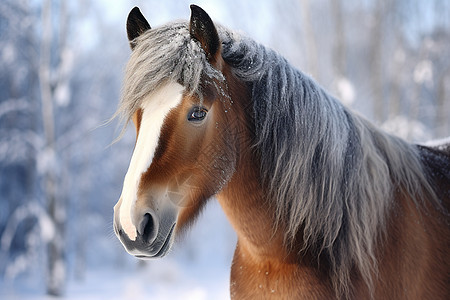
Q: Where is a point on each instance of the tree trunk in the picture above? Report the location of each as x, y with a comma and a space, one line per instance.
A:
397, 69
310, 40
375, 56
442, 107
339, 51
56, 268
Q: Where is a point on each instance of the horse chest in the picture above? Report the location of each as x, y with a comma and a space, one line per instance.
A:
253, 278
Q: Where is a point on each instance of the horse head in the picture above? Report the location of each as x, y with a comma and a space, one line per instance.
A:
184, 152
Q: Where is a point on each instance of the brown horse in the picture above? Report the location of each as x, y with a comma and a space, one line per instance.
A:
324, 204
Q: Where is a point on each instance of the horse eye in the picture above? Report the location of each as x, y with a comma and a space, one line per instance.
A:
197, 114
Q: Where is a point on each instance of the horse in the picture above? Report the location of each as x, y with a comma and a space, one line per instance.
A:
324, 204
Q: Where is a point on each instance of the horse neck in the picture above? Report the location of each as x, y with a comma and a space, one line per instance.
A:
244, 199
250, 212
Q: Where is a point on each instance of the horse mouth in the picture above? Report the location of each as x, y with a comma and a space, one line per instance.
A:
164, 248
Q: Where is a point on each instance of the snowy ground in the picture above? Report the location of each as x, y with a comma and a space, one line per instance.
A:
157, 280
198, 268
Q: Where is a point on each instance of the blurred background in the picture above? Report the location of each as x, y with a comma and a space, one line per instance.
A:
61, 67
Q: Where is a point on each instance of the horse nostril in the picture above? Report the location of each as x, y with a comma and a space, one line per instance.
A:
147, 228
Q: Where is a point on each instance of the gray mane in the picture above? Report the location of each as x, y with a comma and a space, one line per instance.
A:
331, 173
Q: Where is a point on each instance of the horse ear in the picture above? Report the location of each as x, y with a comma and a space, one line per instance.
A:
202, 28
136, 25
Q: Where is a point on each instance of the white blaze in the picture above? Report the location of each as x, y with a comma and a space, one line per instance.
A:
155, 109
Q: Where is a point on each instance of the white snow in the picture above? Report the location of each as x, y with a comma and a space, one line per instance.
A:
198, 268
423, 72
47, 228
62, 94
8, 54
156, 280
406, 128
46, 160
439, 143
11, 105
346, 90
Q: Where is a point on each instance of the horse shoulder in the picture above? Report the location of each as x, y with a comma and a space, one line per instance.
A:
414, 260
436, 162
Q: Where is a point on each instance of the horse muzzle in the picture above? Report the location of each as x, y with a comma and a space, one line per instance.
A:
153, 235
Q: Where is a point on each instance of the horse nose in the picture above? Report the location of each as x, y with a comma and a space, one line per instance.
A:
144, 229
148, 228
147, 232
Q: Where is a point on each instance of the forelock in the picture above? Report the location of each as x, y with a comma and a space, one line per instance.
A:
163, 54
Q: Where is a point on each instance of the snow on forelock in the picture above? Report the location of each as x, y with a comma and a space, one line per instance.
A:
407, 129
